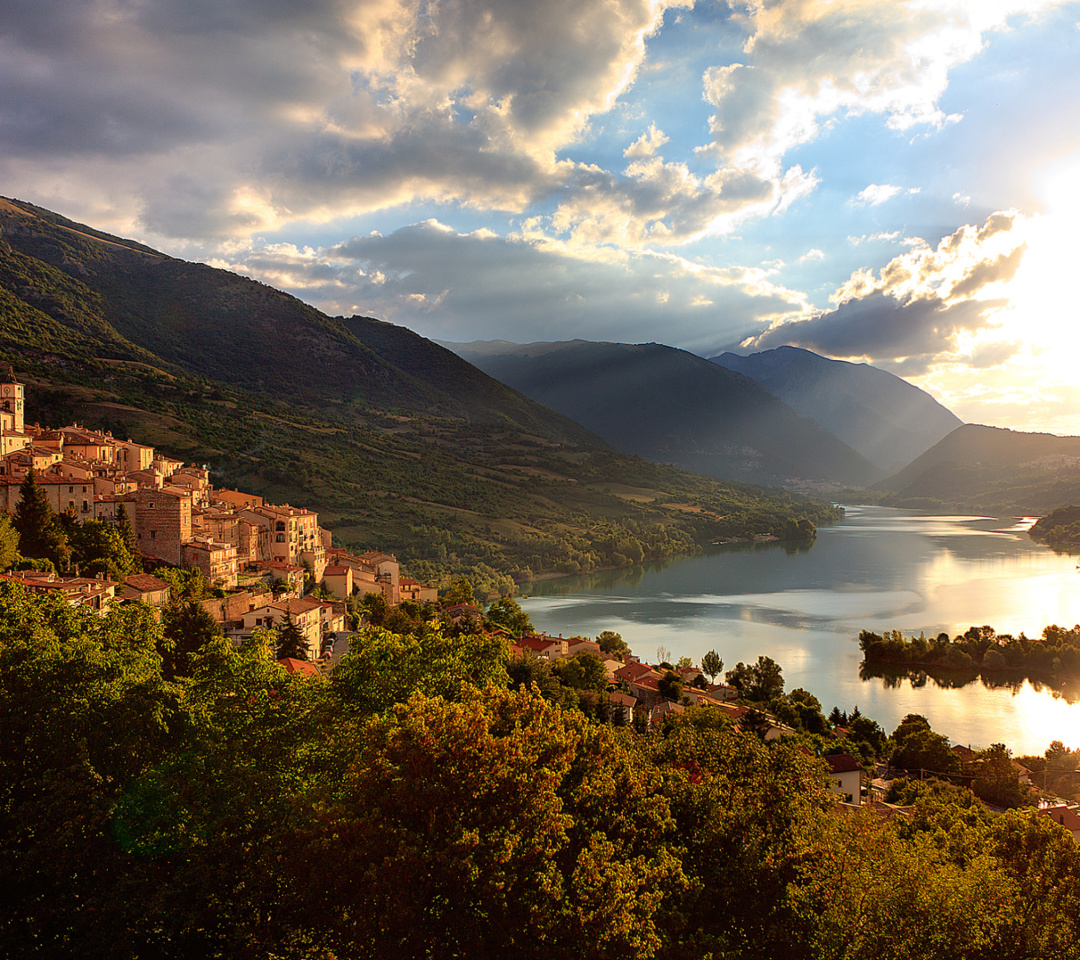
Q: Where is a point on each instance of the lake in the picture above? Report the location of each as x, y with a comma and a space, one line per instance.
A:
878, 569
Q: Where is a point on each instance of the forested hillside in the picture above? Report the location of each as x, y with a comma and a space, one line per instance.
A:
991, 470
398, 443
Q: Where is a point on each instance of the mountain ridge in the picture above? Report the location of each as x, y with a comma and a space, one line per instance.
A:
672, 406
882, 416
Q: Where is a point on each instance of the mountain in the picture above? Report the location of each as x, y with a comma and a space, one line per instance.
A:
670, 406
112, 298
993, 470
886, 419
399, 444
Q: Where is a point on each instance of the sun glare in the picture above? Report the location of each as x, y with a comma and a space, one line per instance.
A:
1043, 294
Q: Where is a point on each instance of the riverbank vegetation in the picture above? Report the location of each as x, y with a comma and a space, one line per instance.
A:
1059, 529
999, 659
416, 804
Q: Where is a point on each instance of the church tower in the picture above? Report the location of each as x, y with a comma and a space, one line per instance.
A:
12, 400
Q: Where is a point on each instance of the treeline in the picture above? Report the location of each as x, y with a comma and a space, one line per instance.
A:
1053, 658
413, 805
1059, 528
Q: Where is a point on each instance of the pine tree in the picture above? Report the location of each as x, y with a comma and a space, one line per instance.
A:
126, 530
39, 532
291, 640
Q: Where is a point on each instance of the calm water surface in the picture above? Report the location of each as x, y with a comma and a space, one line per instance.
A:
878, 569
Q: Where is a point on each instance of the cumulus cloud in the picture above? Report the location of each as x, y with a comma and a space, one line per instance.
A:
464, 286
808, 60
648, 144
923, 306
319, 109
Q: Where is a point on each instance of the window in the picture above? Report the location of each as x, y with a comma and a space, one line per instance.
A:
153, 534
281, 538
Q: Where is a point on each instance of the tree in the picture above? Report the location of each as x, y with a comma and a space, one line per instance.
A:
291, 640
612, 644
583, 671
759, 682
97, 547
495, 826
39, 532
670, 686
9, 542
375, 608
126, 530
459, 591
384, 668
188, 627
711, 665
915, 746
507, 613
996, 779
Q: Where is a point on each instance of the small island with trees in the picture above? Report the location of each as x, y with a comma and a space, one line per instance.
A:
999, 659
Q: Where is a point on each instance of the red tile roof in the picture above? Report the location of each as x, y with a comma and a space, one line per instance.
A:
301, 667
842, 763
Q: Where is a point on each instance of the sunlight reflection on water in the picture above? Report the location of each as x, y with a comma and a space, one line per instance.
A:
879, 569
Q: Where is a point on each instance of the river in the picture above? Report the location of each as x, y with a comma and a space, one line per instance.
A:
879, 569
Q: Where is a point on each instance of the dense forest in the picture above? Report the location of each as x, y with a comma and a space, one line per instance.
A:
420, 803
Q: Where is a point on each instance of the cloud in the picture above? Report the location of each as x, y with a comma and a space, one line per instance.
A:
878, 193
808, 60
922, 307
323, 109
465, 286
648, 144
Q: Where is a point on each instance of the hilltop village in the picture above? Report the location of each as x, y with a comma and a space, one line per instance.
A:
260, 557
239, 543
263, 561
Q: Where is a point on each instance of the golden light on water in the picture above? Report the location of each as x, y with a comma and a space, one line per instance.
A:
1046, 718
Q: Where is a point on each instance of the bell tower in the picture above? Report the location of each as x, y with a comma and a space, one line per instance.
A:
12, 399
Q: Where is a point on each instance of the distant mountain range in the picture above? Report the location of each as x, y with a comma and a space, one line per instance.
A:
990, 469
886, 419
671, 406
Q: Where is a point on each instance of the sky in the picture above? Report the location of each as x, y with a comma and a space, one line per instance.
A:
875, 180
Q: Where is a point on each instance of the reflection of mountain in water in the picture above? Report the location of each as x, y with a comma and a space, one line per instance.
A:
604, 580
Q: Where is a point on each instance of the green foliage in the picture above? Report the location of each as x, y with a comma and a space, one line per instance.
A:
583, 671
383, 668
507, 613
1054, 659
398, 810
996, 779
9, 542
291, 642
915, 746
1060, 528
187, 628
712, 665
758, 682
459, 591
612, 644
40, 534
186, 583
97, 547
